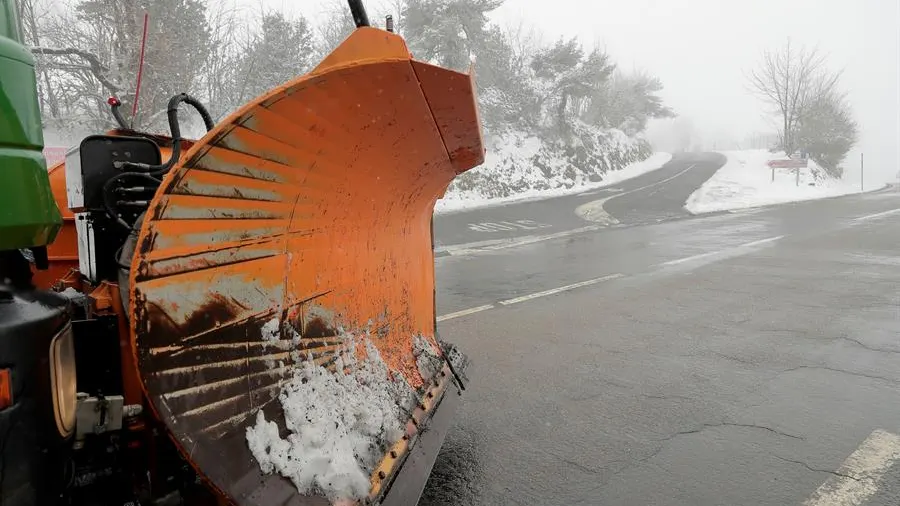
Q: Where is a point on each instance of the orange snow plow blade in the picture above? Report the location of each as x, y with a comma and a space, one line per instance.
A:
309, 212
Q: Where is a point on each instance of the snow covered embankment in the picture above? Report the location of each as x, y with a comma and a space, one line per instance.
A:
746, 181
523, 167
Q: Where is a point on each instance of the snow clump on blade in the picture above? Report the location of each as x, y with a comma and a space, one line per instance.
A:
339, 423
271, 330
271, 334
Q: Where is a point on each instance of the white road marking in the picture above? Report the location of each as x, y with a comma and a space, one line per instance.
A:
692, 257
877, 215
540, 238
865, 258
748, 210
601, 190
482, 246
761, 241
736, 249
859, 476
464, 312
560, 289
499, 226
593, 211
469, 245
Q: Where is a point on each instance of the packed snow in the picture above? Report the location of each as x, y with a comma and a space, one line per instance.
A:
340, 423
746, 181
271, 330
523, 167
458, 360
428, 361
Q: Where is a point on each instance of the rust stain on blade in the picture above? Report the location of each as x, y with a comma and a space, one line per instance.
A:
182, 237
226, 161
208, 260
213, 184
194, 207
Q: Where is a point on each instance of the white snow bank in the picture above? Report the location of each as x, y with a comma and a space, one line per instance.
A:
746, 181
339, 423
518, 167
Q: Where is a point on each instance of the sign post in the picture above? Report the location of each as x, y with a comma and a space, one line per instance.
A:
861, 173
791, 163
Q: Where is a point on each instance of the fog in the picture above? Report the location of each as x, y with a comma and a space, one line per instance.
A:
702, 50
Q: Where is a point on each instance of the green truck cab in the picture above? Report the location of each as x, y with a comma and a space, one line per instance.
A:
28, 214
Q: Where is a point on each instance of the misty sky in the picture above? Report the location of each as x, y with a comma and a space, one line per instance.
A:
702, 49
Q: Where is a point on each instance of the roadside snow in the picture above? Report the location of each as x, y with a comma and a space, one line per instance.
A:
526, 149
746, 181
339, 423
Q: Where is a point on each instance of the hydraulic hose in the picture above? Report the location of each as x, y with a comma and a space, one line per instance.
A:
358, 10
175, 129
110, 206
151, 172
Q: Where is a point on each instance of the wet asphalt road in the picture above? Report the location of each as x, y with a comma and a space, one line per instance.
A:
649, 198
732, 359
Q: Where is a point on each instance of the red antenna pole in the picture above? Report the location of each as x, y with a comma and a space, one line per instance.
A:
137, 87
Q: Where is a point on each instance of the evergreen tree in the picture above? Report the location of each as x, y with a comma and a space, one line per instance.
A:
279, 51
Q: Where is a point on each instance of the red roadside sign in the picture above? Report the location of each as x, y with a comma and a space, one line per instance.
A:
787, 164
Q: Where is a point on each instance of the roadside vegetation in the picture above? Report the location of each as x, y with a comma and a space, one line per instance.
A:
556, 114
812, 111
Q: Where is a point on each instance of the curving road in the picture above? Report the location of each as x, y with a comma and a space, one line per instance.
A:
739, 358
665, 201
655, 196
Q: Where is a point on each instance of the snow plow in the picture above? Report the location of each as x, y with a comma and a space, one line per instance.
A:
247, 318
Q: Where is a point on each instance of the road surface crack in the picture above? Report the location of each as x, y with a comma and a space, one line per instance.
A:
667, 397
834, 369
573, 463
731, 424
866, 346
817, 470
735, 359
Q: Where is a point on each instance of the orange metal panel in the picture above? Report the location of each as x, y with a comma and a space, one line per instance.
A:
312, 205
451, 96
62, 253
366, 44
6, 395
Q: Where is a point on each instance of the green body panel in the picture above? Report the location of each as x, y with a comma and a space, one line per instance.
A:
28, 214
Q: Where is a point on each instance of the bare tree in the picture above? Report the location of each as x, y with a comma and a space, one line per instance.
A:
89, 50
33, 14
335, 27
524, 42
97, 68
228, 37
791, 78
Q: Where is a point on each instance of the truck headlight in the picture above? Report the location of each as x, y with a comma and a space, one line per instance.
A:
62, 380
